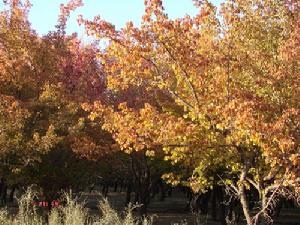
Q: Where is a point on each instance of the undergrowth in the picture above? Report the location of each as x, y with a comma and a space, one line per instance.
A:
71, 213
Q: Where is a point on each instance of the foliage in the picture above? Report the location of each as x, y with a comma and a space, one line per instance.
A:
43, 81
216, 96
236, 119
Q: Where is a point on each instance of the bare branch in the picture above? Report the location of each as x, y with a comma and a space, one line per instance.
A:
253, 183
271, 198
231, 186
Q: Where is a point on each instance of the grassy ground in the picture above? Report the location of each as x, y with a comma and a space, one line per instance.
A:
173, 210
168, 212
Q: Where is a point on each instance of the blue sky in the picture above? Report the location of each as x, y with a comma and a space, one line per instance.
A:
44, 13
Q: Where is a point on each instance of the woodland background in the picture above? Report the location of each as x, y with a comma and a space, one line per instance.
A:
205, 105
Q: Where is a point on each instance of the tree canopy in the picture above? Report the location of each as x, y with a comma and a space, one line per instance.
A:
215, 95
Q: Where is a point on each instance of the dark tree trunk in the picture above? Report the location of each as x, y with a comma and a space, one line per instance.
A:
142, 182
105, 189
170, 192
11, 194
214, 205
220, 195
128, 193
162, 191
204, 202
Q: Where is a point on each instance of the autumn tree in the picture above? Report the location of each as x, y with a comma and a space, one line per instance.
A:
231, 93
43, 82
21, 76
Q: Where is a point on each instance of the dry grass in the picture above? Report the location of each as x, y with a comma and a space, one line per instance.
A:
73, 213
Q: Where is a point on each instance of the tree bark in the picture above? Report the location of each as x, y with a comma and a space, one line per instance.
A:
128, 194
243, 197
214, 205
11, 194
245, 205
142, 182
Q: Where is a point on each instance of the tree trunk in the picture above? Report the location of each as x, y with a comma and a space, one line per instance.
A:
245, 206
220, 196
116, 186
243, 197
214, 205
11, 194
128, 193
142, 182
162, 191
144, 202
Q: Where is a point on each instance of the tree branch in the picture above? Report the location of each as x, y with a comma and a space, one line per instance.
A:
186, 76
253, 183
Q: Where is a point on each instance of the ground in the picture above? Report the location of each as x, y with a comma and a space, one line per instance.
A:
173, 210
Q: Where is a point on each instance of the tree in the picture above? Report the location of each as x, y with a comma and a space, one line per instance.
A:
43, 81
232, 94
21, 79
